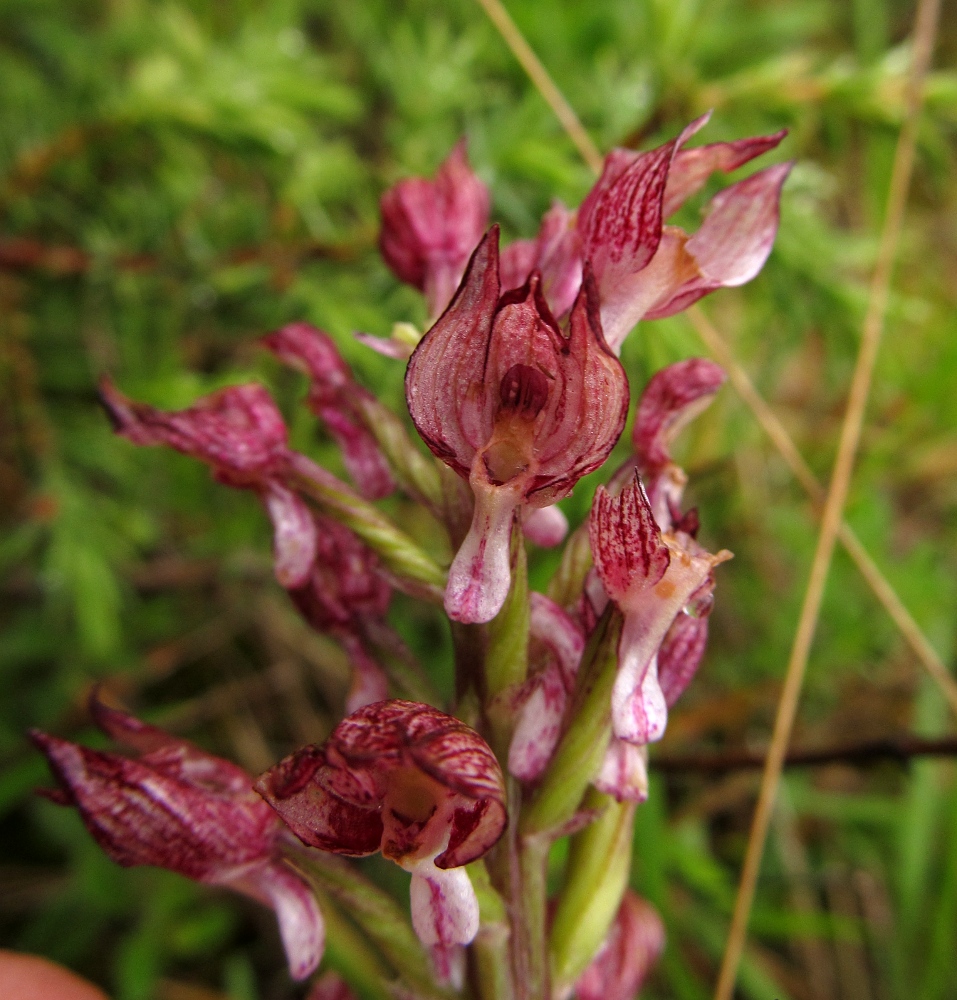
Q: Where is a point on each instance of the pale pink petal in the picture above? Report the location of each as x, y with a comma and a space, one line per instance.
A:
444, 905
734, 241
301, 926
691, 168
672, 398
624, 771
538, 726
545, 526
294, 535
638, 711
551, 625
369, 683
448, 964
480, 575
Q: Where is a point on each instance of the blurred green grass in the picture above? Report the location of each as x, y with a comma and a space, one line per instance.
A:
179, 178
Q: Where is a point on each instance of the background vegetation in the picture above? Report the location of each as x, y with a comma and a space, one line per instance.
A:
177, 179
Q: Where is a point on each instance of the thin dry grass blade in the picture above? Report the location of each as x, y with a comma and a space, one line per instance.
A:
924, 35
779, 436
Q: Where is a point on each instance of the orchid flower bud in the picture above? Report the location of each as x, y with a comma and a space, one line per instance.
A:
241, 435
522, 410
179, 808
646, 270
333, 397
651, 576
539, 719
633, 945
406, 779
672, 398
430, 228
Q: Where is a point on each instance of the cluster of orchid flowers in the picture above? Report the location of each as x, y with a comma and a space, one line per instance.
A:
517, 389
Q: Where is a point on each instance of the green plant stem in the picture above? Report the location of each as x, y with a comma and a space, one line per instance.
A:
532, 905
414, 570
375, 911
595, 880
349, 952
580, 752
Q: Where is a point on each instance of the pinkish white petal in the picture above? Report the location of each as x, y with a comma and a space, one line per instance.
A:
638, 711
545, 526
301, 926
691, 168
294, 535
538, 725
389, 347
624, 771
633, 945
445, 909
551, 625
480, 574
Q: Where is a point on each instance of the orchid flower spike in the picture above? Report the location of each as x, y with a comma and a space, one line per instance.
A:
430, 228
646, 270
633, 945
180, 808
334, 396
413, 782
651, 576
521, 409
239, 432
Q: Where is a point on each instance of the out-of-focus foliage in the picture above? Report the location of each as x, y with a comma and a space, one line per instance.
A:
179, 178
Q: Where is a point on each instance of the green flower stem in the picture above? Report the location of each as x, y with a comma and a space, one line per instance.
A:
596, 876
376, 913
349, 952
580, 752
490, 949
566, 586
413, 568
533, 870
506, 655
417, 475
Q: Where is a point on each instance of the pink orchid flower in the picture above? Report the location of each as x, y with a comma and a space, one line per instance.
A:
652, 576
177, 807
645, 269
333, 397
506, 399
240, 433
413, 782
430, 228
628, 953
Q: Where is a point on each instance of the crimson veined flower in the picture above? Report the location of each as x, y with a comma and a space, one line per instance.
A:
644, 268
240, 433
515, 404
415, 783
177, 807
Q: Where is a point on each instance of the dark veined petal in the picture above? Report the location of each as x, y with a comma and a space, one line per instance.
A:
680, 655
691, 168
673, 397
